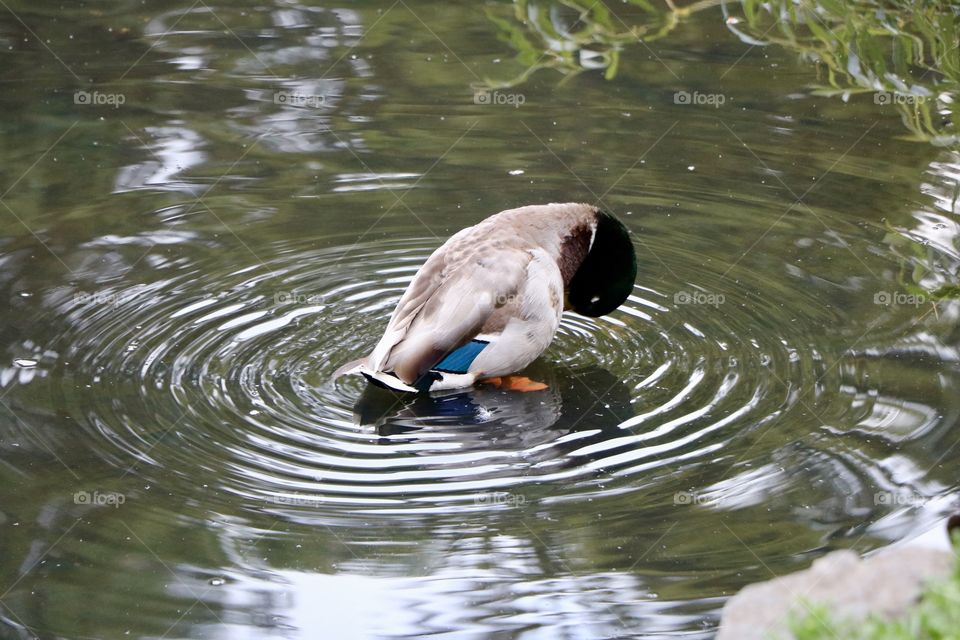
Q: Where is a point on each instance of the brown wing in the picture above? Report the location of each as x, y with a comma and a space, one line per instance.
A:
451, 297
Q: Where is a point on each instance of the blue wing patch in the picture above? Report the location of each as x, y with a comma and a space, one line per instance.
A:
459, 360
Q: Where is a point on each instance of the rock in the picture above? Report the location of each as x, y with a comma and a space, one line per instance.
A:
885, 584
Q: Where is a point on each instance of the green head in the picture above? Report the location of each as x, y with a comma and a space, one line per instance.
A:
605, 277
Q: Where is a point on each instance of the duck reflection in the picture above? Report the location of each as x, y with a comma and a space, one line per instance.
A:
575, 400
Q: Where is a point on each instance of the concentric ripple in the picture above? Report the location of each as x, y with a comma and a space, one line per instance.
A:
225, 379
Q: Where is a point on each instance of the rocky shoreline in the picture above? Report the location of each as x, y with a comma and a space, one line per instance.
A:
884, 584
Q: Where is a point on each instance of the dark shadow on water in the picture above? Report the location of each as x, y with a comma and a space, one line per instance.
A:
584, 399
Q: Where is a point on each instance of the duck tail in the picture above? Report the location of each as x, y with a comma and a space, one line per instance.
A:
387, 380
379, 378
354, 366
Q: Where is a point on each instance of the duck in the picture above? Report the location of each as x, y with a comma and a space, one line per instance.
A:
489, 300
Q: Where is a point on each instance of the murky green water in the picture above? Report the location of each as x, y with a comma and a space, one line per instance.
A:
182, 273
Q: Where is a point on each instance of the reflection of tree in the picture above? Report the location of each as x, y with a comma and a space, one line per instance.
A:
577, 35
905, 55
907, 52
929, 253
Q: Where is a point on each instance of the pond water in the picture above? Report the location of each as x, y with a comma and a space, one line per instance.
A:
233, 205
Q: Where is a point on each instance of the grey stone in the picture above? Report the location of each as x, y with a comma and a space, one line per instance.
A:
885, 584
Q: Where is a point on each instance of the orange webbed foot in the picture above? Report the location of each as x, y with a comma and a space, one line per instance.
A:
515, 383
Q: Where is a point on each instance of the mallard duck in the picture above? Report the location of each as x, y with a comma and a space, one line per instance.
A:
489, 300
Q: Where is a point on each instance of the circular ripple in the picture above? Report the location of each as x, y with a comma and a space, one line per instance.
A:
225, 379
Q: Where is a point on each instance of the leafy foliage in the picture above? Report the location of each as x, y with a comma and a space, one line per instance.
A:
906, 54
571, 36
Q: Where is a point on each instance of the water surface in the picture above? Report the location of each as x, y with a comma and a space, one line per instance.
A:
184, 271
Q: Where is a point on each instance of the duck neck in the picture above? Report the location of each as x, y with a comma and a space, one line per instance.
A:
574, 248
564, 230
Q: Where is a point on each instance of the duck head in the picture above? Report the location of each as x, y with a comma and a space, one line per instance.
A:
606, 275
